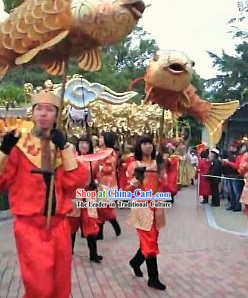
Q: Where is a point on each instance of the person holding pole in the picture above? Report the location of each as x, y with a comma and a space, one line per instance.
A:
108, 179
86, 218
26, 171
145, 173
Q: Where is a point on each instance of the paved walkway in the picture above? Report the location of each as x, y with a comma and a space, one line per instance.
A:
235, 222
195, 261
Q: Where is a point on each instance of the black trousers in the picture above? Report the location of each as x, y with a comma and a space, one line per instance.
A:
215, 192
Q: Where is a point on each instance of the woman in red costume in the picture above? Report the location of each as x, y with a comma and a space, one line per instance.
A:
86, 218
172, 170
26, 169
107, 177
243, 170
126, 159
203, 169
144, 174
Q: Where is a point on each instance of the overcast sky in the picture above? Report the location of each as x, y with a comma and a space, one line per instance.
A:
192, 26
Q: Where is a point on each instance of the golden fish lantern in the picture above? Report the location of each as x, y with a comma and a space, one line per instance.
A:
49, 32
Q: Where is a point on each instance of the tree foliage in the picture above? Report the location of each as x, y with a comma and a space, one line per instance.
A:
13, 95
236, 21
11, 4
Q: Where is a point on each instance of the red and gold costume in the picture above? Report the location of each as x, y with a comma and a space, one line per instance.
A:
126, 160
172, 174
147, 221
44, 255
243, 170
85, 218
107, 177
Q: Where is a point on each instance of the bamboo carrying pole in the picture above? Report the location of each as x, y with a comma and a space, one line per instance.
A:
58, 125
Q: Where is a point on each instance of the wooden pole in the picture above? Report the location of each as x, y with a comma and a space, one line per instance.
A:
58, 125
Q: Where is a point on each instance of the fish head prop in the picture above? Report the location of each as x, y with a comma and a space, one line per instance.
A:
170, 70
107, 21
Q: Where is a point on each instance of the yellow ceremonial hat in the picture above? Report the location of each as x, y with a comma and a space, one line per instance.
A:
45, 97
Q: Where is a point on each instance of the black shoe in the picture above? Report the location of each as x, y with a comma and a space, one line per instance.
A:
73, 238
94, 257
237, 210
100, 234
155, 283
116, 227
205, 201
136, 262
152, 269
229, 208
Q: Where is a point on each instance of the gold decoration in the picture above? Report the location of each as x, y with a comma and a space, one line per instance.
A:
49, 32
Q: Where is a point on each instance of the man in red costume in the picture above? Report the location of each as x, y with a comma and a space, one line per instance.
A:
144, 174
44, 253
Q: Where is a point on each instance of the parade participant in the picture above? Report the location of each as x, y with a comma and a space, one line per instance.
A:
86, 218
107, 177
172, 170
186, 171
95, 142
215, 170
235, 184
203, 169
125, 161
44, 253
243, 170
144, 174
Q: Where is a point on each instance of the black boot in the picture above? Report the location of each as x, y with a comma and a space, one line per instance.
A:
94, 257
116, 227
136, 262
100, 234
152, 269
73, 238
205, 200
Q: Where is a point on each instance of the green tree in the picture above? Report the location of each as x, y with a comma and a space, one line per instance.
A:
12, 94
232, 82
11, 4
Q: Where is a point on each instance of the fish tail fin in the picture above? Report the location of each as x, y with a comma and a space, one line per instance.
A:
218, 113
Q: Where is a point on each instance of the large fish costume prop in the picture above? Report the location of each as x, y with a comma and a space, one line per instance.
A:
168, 84
48, 32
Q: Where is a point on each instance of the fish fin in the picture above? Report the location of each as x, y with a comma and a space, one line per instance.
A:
148, 93
90, 60
219, 112
32, 53
134, 82
56, 67
3, 70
